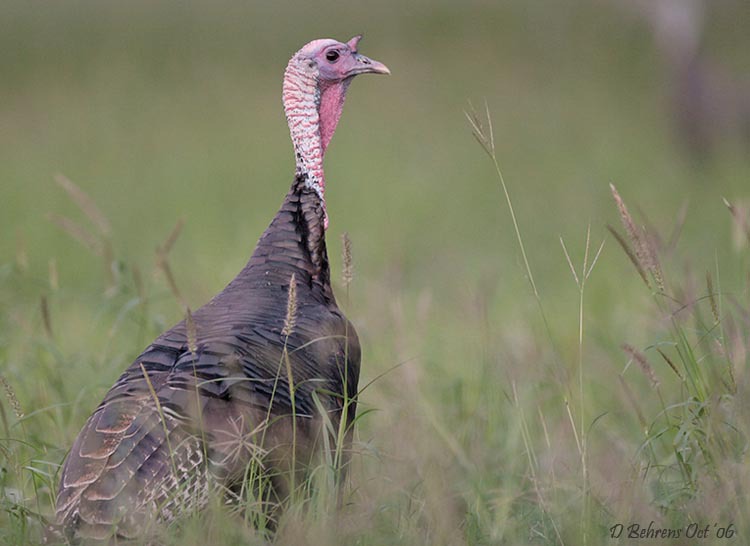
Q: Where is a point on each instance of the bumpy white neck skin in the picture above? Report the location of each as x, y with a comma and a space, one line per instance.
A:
301, 105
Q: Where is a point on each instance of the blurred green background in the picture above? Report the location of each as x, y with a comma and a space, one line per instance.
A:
162, 110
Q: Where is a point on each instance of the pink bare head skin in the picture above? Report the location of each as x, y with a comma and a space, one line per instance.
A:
315, 84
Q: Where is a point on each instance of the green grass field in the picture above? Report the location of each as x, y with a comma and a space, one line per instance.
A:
505, 411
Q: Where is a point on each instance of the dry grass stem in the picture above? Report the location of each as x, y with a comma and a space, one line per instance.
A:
140, 288
712, 297
85, 203
78, 233
162, 418
732, 378
596, 258
570, 263
99, 245
162, 261
167, 270
171, 239
740, 217
486, 138
543, 422
579, 446
678, 227
46, 318
633, 402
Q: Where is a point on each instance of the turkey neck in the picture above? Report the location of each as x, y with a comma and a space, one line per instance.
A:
313, 108
295, 240
294, 243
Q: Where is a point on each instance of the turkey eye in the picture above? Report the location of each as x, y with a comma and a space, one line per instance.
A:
332, 56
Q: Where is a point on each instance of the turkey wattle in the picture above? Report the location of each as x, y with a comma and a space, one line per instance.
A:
195, 409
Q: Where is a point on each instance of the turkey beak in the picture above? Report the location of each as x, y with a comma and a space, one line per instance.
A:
365, 65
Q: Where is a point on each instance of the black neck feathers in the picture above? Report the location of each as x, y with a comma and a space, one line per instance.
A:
294, 242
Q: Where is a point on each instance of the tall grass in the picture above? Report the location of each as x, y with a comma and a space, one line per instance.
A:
443, 460
504, 404
695, 445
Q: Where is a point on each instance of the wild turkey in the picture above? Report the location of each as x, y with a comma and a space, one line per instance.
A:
208, 398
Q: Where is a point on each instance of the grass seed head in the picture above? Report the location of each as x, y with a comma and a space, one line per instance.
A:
653, 261
671, 364
10, 394
484, 135
192, 331
640, 358
630, 228
630, 254
291, 308
644, 254
347, 271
